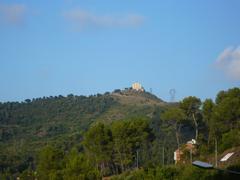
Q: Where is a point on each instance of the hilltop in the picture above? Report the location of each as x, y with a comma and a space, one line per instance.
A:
131, 103
130, 96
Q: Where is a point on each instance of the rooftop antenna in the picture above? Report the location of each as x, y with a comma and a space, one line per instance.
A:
172, 93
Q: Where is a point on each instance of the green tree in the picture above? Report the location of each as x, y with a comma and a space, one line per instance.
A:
122, 146
78, 166
230, 139
177, 116
207, 112
98, 144
191, 106
226, 113
129, 136
50, 163
227, 109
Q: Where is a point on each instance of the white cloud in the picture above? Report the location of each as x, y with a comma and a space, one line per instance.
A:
229, 62
83, 19
12, 13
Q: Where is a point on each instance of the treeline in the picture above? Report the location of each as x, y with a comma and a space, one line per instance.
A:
213, 122
142, 147
58, 107
179, 172
27, 126
48, 116
104, 151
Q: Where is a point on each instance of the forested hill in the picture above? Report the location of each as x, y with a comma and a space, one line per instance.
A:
49, 116
79, 137
27, 126
53, 113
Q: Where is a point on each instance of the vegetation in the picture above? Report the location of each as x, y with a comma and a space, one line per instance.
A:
78, 137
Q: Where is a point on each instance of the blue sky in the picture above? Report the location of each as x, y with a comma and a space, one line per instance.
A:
86, 47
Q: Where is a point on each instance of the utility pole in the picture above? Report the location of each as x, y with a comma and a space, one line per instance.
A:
191, 155
137, 158
216, 153
163, 156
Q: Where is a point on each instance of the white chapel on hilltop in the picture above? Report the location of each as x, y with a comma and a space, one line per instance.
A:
137, 87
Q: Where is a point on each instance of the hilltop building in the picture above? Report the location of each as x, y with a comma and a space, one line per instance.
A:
137, 87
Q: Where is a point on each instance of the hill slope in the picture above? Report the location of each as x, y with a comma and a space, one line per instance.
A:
29, 125
143, 124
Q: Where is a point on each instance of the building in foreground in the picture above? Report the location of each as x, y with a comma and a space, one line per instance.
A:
189, 148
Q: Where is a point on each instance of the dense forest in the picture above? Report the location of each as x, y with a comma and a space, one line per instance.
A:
105, 136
